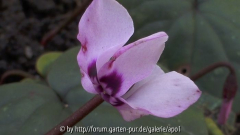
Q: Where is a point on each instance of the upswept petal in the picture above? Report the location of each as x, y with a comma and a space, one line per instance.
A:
163, 95
104, 24
131, 64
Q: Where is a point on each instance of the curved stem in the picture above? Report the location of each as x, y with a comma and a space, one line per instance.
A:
76, 116
212, 67
229, 89
15, 72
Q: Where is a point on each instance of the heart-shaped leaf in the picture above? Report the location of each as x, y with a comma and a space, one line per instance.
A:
65, 73
200, 33
29, 108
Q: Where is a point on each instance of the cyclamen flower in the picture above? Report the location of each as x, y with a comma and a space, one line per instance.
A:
127, 77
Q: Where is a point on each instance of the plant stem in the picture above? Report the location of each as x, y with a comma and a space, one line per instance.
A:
15, 73
212, 67
229, 89
76, 116
79, 10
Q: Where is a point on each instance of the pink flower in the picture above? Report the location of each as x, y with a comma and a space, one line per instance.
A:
127, 77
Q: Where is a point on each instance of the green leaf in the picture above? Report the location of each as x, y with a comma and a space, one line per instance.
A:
30, 80
29, 108
200, 33
209, 102
44, 62
65, 73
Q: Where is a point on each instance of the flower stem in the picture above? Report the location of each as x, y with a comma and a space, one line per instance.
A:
20, 73
229, 89
211, 68
76, 116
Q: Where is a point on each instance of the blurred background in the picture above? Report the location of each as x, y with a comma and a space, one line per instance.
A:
40, 79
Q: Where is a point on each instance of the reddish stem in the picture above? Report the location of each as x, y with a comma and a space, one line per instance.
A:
229, 89
211, 68
15, 73
76, 116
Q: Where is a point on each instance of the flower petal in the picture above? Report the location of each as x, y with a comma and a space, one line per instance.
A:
104, 24
163, 95
155, 73
131, 64
87, 83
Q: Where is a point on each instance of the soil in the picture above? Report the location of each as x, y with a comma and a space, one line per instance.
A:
23, 23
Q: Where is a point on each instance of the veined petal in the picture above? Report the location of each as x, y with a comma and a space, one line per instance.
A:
131, 64
163, 95
104, 24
